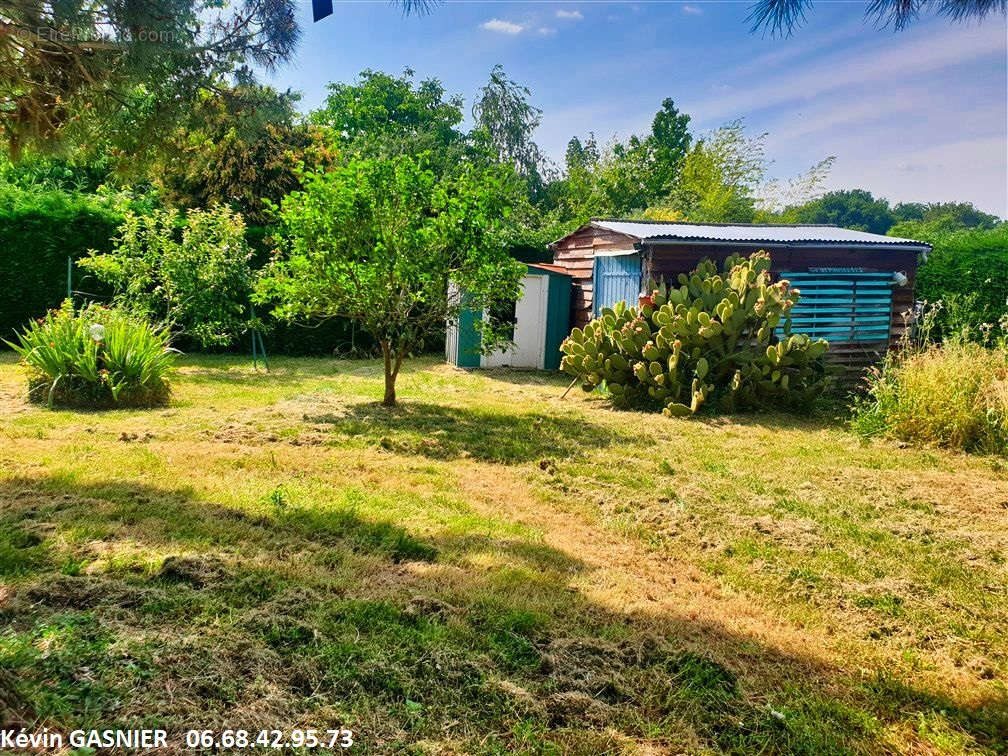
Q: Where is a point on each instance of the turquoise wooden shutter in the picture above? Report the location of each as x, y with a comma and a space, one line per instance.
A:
617, 278
842, 308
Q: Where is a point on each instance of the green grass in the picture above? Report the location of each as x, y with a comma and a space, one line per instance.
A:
491, 569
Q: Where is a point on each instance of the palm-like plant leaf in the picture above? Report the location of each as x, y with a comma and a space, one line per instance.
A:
416, 7
781, 17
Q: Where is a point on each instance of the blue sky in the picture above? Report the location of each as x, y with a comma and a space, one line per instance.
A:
916, 115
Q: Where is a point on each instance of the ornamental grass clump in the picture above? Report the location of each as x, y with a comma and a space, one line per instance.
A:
95, 357
718, 341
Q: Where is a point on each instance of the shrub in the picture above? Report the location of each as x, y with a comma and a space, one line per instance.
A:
41, 228
193, 272
95, 357
713, 340
954, 395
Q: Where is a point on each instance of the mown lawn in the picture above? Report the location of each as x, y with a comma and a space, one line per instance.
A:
493, 569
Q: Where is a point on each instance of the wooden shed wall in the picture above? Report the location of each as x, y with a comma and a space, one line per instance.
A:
576, 254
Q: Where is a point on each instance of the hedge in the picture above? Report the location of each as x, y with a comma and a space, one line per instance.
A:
971, 267
38, 231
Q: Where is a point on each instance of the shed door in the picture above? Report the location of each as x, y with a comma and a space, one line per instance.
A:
617, 278
528, 349
843, 308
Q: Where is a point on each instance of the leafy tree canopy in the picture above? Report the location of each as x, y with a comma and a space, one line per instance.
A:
377, 240
71, 66
505, 118
668, 144
930, 219
625, 177
849, 208
717, 180
67, 174
242, 147
382, 114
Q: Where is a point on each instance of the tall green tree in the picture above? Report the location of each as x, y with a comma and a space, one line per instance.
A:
73, 64
504, 116
384, 115
122, 71
377, 240
240, 147
626, 177
718, 179
667, 145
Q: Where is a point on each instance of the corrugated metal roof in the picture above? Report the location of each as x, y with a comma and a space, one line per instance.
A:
732, 232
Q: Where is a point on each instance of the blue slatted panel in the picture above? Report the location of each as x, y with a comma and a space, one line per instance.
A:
843, 308
616, 279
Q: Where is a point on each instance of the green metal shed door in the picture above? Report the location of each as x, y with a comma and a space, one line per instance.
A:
842, 308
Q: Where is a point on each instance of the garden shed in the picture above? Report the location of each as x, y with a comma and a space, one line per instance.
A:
855, 286
541, 321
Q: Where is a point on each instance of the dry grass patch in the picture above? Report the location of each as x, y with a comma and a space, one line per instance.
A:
490, 569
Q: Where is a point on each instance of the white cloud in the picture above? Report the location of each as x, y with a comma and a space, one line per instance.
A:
546, 31
574, 15
855, 68
693, 10
502, 27
906, 142
970, 169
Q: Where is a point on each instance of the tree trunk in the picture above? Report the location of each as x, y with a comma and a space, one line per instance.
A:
389, 400
390, 376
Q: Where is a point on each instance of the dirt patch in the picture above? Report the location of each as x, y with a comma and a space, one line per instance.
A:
14, 709
198, 572
249, 436
587, 665
429, 608
85, 592
800, 533
518, 698
213, 673
13, 401
572, 707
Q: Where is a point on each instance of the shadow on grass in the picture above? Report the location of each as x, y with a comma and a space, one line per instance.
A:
443, 432
333, 630
526, 377
284, 370
177, 518
775, 421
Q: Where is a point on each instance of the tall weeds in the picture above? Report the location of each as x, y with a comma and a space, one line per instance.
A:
953, 394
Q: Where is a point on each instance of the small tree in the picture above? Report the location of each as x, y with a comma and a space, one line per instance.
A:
379, 240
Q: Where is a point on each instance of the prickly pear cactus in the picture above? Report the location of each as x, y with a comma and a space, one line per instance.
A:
712, 341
